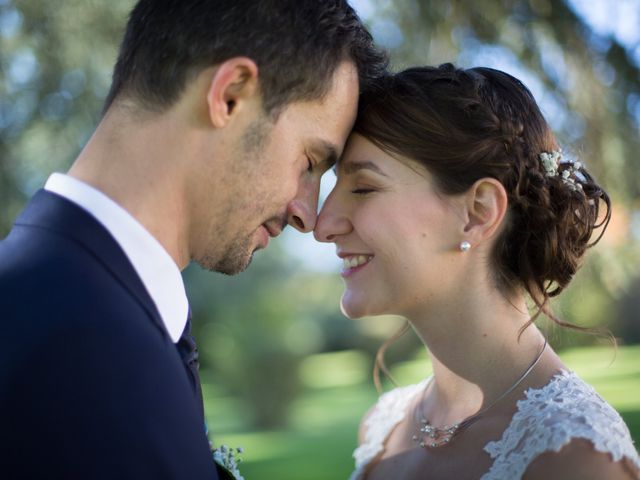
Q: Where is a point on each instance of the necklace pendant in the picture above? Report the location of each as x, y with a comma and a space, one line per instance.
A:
434, 437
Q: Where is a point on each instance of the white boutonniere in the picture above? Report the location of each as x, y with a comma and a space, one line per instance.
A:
228, 459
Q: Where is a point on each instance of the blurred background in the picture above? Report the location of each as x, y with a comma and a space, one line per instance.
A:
285, 375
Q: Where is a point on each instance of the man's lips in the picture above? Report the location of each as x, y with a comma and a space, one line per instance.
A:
264, 234
272, 229
275, 225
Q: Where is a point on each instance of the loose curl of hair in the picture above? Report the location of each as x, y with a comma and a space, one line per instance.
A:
464, 125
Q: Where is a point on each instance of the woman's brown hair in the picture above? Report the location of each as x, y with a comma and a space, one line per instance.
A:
464, 125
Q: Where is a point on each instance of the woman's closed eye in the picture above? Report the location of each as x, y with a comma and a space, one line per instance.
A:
362, 190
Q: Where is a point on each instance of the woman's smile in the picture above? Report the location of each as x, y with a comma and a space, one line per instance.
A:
352, 263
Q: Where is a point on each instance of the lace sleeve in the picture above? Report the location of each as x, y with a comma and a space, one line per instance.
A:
548, 418
387, 413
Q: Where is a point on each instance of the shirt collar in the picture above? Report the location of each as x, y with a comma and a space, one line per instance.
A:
157, 270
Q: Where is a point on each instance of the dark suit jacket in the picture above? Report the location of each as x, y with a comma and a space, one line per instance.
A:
91, 385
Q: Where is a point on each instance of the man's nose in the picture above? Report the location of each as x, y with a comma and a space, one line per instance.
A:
301, 218
302, 210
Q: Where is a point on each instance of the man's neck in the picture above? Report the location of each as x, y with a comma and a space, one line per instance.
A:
131, 164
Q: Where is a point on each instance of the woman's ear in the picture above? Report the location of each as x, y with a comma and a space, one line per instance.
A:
486, 204
234, 82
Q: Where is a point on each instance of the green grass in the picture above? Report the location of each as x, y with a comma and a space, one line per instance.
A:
323, 421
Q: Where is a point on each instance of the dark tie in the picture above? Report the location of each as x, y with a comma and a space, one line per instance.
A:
189, 353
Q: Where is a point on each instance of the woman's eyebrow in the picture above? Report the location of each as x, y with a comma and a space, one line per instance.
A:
352, 166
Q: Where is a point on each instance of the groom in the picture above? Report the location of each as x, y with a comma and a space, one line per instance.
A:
221, 119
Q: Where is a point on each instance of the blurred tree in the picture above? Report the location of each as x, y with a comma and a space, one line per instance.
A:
55, 69
590, 83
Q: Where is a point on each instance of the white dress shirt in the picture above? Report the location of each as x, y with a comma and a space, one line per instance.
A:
155, 267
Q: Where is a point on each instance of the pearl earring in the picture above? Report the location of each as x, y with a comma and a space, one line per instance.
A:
464, 246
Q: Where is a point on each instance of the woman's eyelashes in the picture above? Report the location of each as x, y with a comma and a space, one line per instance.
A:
364, 186
362, 191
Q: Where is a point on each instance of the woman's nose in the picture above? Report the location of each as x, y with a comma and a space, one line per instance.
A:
332, 220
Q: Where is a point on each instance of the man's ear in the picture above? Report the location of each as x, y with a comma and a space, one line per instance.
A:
486, 204
234, 82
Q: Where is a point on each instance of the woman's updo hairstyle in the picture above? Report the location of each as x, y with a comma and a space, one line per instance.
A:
464, 125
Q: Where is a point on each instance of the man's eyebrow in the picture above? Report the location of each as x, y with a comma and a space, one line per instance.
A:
327, 153
352, 167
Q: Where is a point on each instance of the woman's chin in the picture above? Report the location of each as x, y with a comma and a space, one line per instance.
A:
354, 308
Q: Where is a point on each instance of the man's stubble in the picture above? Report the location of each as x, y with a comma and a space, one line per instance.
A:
237, 253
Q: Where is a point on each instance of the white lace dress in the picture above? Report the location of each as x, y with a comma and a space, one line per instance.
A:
547, 419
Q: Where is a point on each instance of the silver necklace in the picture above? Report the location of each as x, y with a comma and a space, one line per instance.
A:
431, 436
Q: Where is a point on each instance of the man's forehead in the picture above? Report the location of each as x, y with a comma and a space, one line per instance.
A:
336, 110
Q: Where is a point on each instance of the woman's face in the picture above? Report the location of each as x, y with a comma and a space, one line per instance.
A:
397, 236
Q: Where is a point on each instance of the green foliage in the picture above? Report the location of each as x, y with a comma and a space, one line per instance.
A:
55, 71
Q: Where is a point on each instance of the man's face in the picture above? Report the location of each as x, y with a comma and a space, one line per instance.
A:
273, 176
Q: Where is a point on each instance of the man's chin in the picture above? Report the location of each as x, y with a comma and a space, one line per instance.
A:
229, 265
234, 268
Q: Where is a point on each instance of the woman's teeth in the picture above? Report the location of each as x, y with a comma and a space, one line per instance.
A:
355, 260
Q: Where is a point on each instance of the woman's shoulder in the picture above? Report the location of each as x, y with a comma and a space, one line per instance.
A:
568, 407
578, 460
391, 406
381, 418
552, 418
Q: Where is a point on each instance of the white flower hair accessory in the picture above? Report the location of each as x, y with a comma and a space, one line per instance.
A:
551, 162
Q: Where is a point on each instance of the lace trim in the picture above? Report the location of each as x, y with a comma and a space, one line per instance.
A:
549, 418
387, 413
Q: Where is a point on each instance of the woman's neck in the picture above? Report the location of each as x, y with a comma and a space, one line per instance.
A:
478, 351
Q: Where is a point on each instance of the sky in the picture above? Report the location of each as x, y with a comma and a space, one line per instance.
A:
619, 19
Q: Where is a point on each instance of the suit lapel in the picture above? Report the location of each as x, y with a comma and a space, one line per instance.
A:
55, 213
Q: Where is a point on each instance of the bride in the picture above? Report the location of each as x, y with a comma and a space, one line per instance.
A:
456, 208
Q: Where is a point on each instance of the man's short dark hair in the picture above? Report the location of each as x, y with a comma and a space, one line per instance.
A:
297, 45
